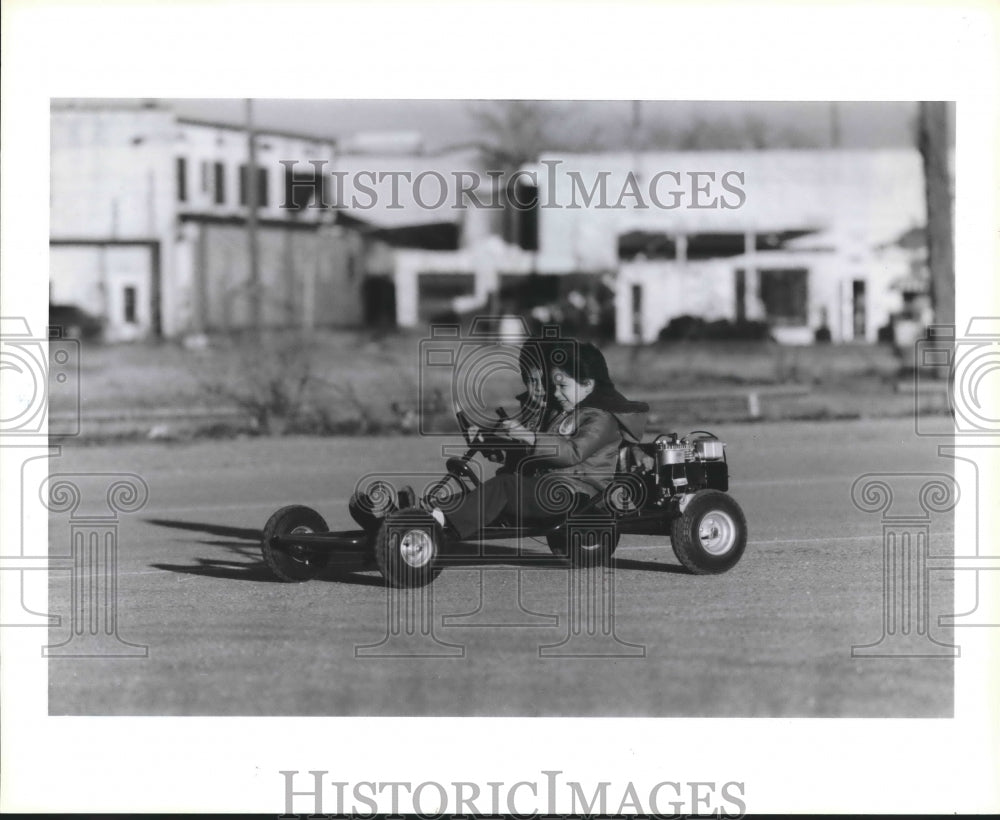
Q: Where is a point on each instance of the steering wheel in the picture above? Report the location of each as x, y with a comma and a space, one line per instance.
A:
464, 425
481, 433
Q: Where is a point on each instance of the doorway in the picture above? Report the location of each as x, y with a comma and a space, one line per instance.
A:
859, 310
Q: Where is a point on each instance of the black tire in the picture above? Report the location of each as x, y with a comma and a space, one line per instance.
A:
710, 536
294, 563
585, 544
380, 498
407, 548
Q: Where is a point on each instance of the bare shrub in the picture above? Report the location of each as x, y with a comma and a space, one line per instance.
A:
270, 375
284, 382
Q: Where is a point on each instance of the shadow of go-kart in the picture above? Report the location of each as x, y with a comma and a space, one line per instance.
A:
676, 487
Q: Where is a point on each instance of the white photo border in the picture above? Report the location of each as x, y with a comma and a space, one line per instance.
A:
555, 50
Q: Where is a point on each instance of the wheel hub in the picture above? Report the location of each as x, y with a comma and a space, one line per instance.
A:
591, 541
416, 547
717, 532
298, 551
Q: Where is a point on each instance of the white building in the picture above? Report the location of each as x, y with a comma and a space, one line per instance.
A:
801, 239
445, 253
149, 212
148, 226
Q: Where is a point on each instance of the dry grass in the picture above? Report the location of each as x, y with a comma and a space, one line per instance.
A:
692, 365
358, 376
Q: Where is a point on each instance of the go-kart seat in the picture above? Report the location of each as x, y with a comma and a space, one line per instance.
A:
630, 456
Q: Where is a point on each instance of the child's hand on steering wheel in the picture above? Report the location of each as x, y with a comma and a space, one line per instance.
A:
515, 430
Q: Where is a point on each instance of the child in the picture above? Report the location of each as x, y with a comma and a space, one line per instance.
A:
369, 508
576, 453
536, 406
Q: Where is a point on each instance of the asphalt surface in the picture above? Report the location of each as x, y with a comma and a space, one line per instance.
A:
505, 633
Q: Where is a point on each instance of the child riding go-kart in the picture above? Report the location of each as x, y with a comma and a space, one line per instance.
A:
581, 487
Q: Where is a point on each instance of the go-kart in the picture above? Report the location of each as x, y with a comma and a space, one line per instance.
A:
676, 487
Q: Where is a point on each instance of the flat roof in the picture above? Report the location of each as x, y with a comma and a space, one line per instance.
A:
263, 131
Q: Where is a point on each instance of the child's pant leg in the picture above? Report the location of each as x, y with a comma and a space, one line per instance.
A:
482, 505
521, 498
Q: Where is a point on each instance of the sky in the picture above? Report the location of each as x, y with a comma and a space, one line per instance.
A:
606, 123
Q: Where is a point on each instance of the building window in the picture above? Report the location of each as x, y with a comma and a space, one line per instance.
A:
648, 244
206, 177
303, 189
858, 309
437, 292
784, 293
129, 304
520, 216
715, 245
220, 184
261, 186
182, 178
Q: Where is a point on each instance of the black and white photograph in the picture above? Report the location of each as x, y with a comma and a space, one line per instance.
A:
494, 446
732, 294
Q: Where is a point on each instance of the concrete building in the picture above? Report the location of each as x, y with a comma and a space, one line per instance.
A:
149, 212
446, 254
801, 239
148, 227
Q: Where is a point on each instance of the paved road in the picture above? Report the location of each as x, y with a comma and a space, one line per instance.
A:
771, 637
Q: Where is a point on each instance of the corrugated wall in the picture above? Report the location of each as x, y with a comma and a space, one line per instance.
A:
307, 278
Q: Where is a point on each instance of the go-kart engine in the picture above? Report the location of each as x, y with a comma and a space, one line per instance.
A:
686, 465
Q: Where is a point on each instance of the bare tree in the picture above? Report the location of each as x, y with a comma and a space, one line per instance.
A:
933, 140
514, 130
752, 133
517, 132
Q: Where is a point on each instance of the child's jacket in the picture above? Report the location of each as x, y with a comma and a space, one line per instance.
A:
583, 444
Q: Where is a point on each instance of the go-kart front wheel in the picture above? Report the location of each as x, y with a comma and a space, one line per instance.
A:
407, 548
289, 561
711, 533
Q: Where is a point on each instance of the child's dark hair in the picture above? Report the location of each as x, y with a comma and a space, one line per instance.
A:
583, 362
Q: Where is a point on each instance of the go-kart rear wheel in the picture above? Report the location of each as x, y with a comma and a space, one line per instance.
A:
294, 562
588, 546
407, 548
711, 533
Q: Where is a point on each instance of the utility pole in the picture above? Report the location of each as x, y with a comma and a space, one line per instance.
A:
636, 125
932, 138
250, 186
635, 291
